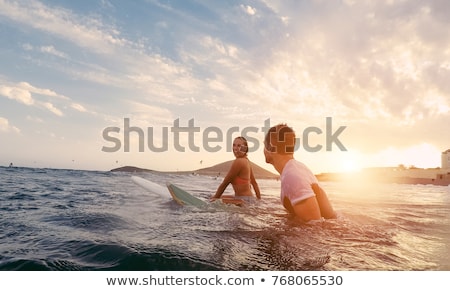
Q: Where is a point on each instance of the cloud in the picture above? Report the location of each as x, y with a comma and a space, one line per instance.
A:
248, 9
338, 57
52, 108
40, 91
6, 127
379, 67
86, 32
51, 50
369, 59
78, 107
34, 119
119, 62
23, 92
30, 95
18, 94
146, 115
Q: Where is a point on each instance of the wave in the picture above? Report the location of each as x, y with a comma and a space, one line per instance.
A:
92, 256
81, 220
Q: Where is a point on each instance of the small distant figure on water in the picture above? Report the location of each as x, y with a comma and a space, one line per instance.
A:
240, 174
11, 165
301, 194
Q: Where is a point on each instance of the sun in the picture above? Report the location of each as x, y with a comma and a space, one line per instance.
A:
350, 162
350, 166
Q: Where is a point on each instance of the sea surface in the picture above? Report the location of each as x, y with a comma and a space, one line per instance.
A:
53, 219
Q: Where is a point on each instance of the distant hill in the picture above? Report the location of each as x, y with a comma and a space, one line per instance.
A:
131, 169
222, 169
216, 170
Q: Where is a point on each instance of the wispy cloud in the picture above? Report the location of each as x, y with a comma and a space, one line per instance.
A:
346, 57
30, 95
52, 51
40, 91
78, 107
52, 108
86, 32
5, 126
16, 93
123, 63
376, 66
248, 9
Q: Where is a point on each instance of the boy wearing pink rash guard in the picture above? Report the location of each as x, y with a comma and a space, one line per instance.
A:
300, 191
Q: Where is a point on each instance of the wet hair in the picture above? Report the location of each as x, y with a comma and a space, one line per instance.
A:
280, 139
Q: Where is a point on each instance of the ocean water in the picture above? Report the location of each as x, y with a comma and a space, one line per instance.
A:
54, 219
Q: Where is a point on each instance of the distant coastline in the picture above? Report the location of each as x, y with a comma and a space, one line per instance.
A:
370, 175
397, 175
219, 170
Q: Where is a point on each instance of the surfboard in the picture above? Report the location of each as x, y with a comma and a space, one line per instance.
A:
182, 197
151, 186
179, 195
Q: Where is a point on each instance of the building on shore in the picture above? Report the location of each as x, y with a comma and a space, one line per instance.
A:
445, 158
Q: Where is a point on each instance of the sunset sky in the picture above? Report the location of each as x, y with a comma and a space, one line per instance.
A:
72, 69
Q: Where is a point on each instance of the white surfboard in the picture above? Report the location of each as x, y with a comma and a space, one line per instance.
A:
151, 186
